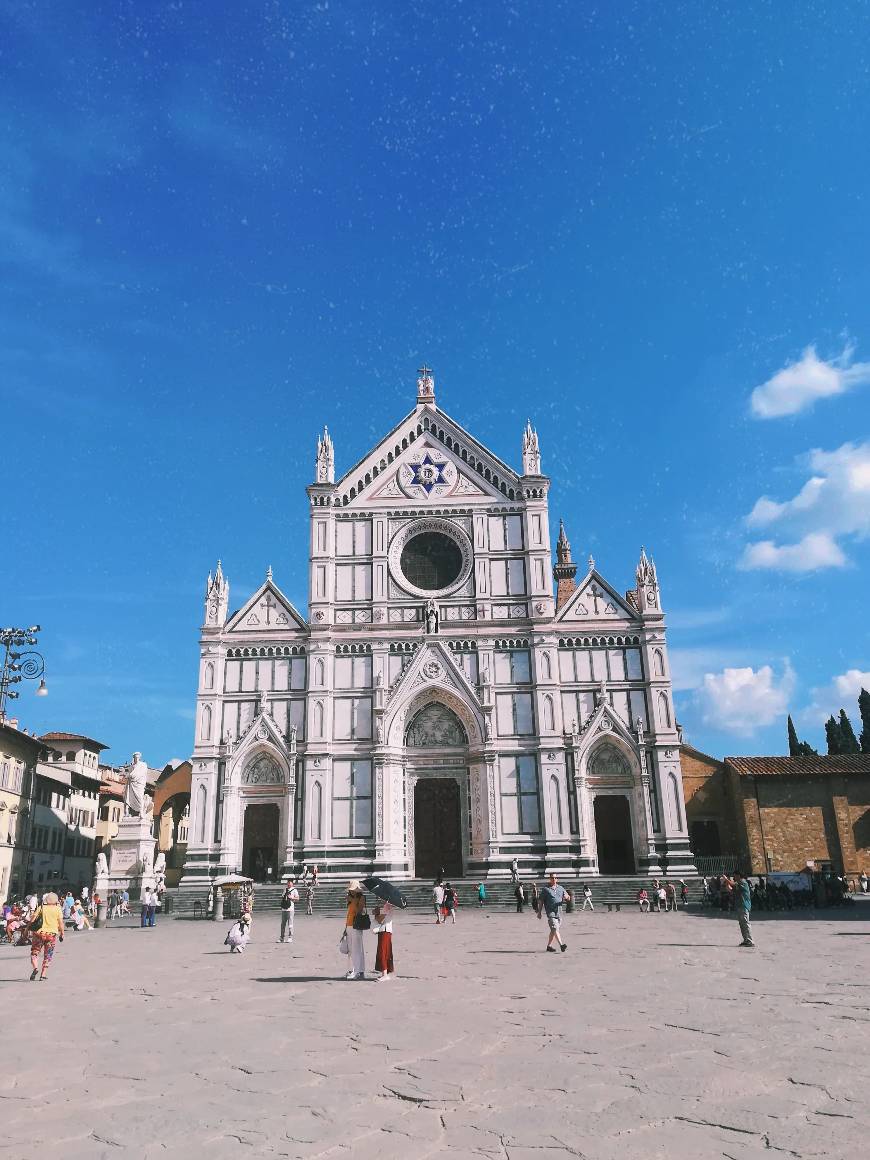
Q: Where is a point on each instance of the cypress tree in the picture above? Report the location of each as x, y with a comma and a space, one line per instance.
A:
832, 732
864, 708
793, 743
806, 750
848, 740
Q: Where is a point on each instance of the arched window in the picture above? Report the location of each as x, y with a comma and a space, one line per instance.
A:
201, 799
317, 812
549, 716
547, 666
675, 797
206, 723
435, 725
318, 719
556, 805
664, 711
209, 675
658, 663
319, 671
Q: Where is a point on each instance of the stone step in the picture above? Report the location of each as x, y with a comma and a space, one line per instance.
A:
330, 897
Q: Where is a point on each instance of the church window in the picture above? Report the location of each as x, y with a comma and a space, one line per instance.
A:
318, 719
249, 676
297, 673
201, 796
206, 723
573, 813
209, 675
508, 577
619, 703
505, 533
351, 799
233, 677
513, 666
599, 665
632, 663
353, 672
616, 664
431, 561
514, 714
664, 711
353, 581
658, 663
518, 783
555, 804
353, 718
319, 672
546, 666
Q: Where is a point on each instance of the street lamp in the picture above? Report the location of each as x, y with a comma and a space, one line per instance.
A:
18, 666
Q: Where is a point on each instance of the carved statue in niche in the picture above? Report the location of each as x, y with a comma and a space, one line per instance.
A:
435, 726
430, 617
263, 770
607, 761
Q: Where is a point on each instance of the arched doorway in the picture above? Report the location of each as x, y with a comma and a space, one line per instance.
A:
613, 834
260, 842
437, 827
436, 742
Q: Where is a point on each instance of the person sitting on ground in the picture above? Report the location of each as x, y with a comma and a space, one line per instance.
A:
79, 916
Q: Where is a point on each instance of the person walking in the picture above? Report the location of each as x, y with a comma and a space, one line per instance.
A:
438, 902
481, 894
671, 894
384, 954
356, 954
68, 904
552, 897
520, 896
743, 907
684, 894
46, 928
309, 899
288, 909
450, 903
865, 882
515, 872
587, 898
534, 895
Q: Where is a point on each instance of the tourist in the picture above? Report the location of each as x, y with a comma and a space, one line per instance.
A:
533, 897
587, 897
49, 922
440, 877
552, 897
684, 894
309, 899
451, 901
238, 935
384, 954
520, 895
481, 894
655, 894
356, 953
438, 901
662, 897
79, 917
303, 877
643, 900
671, 895
515, 871
68, 904
288, 909
149, 907
125, 902
113, 903
865, 882
743, 907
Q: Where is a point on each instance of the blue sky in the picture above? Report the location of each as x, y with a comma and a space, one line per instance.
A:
644, 225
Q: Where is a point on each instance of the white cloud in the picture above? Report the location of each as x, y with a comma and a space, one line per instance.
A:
816, 550
744, 700
841, 693
834, 502
798, 385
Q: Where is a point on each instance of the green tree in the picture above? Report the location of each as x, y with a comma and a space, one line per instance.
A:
794, 746
864, 709
848, 740
832, 733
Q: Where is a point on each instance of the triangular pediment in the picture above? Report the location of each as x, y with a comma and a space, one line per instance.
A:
433, 665
262, 730
268, 610
595, 602
396, 471
605, 722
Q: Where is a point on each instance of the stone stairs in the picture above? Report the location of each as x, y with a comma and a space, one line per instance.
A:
329, 897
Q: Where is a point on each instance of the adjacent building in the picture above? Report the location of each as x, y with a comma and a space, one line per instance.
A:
63, 828
19, 753
438, 704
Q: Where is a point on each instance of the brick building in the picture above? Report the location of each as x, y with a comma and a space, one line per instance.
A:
711, 815
791, 810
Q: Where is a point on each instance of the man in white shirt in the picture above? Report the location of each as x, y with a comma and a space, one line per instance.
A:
288, 909
438, 901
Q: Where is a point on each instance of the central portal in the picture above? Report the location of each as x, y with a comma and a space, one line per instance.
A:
613, 834
437, 828
260, 844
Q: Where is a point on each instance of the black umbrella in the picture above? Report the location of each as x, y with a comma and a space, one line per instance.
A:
385, 890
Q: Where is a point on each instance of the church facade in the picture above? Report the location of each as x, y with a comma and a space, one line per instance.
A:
440, 706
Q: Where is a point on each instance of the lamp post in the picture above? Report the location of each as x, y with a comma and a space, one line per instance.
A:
18, 665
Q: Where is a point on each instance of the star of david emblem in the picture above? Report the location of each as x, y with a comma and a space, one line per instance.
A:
427, 473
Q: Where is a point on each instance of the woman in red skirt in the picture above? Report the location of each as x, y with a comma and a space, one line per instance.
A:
384, 956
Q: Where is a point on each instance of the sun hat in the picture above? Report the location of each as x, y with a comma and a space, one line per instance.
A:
354, 886
49, 898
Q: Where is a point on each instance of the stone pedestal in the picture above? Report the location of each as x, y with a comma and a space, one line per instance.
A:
131, 858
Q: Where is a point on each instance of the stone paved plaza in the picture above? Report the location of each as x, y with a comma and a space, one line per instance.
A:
653, 1036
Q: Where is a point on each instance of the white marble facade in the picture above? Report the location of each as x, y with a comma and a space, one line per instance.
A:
435, 707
